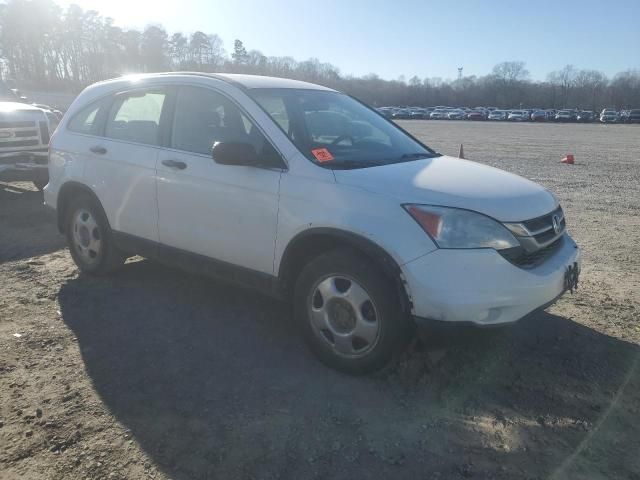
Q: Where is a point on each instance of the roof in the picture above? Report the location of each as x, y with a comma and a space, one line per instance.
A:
260, 81
242, 80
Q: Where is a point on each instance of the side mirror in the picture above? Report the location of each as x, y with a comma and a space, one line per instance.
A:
234, 153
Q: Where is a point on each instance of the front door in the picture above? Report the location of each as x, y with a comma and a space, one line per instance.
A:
224, 212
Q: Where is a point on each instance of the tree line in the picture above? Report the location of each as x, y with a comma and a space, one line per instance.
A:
43, 46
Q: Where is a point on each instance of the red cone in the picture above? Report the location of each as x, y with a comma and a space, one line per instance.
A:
568, 159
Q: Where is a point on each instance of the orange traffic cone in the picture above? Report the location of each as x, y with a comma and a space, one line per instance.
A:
568, 159
461, 152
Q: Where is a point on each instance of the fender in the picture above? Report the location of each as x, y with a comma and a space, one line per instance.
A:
65, 194
377, 253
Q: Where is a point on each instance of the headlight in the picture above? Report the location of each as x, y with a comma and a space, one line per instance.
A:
455, 228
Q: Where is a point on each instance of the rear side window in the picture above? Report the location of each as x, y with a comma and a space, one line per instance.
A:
85, 120
135, 117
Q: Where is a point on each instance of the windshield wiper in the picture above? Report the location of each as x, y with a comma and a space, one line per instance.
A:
351, 164
416, 156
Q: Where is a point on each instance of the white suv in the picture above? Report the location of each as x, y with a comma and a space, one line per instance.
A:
306, 194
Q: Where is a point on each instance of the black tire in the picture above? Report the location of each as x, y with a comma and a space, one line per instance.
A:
108, 258
394, 326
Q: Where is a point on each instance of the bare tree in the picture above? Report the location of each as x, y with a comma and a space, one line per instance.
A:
564, 80
45, 46
510, 72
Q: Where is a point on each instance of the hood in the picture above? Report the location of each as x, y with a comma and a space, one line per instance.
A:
452, 182
9, 107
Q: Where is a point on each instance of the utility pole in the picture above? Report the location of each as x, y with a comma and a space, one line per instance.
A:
460, 72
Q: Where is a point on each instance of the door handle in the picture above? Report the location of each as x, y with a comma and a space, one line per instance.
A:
98, 149
175, 164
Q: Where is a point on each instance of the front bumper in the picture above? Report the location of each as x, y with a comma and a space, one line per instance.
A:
37, 153
24, 166
480, 287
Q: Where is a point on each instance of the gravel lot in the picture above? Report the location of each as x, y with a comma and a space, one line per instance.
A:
155, 373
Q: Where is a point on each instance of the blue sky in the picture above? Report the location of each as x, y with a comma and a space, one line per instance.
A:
409, 37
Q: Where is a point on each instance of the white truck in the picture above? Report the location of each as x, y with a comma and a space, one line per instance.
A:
24, 143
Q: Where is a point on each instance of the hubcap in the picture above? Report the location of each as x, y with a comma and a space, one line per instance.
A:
343, 315
87, 240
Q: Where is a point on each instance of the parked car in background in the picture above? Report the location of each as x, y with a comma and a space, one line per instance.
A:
585, 116
24, 140
623, 116
565, 116
401, 114
498, 115
457, 114
386, 111
439, 114
416, 114
634, 116
609, 116
518, 116
54, 116
364, 238
476, 115
494, 114
539, 116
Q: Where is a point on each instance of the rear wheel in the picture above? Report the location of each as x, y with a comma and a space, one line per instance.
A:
349, 312
89, 238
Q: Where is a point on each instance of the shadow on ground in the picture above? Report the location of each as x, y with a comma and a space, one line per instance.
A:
213, 381
27, 227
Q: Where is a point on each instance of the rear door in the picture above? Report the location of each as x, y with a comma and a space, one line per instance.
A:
225, 212
123, 167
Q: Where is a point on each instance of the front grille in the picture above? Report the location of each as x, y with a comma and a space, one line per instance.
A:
523, 259
22, 124
541, 228
21, 134
19, 143
538, 238
24, 133
544, 222
544, 237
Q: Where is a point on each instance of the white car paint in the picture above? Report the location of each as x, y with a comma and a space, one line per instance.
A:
452, 182
248, 216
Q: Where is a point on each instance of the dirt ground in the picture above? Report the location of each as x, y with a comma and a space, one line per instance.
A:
153, 373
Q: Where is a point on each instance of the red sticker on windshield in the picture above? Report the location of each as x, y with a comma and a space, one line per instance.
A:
322, 154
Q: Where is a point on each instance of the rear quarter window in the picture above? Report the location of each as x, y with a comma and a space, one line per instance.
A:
85, 121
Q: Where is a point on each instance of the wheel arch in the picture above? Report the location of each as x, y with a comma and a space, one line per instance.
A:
69, 191
315, 241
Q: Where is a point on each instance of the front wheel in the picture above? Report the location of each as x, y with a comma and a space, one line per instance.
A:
349, 312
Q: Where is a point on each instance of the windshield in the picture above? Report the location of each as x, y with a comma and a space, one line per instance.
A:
336, 131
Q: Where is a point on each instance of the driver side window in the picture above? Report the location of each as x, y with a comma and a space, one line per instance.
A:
204, 117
